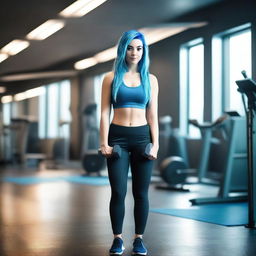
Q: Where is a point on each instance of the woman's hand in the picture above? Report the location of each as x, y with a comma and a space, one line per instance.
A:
106, 150
153, 152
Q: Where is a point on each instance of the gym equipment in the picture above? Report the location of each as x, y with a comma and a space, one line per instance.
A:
147, 150
6, 143
165, 133
92, 162
248, 87
60, 149
34, 155
116, 153
234, 178
58, 152
18, 132
175, 169
22, 143
172, 155
206, 130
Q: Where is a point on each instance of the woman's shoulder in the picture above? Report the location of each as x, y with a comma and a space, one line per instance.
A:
109, 75
153, 79
108, 78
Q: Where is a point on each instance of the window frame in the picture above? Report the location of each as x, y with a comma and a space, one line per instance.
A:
44, 130
184, 87
220, 79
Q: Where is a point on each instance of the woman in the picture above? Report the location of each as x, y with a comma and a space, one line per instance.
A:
133, 92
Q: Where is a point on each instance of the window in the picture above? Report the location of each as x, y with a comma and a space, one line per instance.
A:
97, 94
54, 110
53, 113
239, 52
191, 86
7, 113
42, 114
64, 105
231, 55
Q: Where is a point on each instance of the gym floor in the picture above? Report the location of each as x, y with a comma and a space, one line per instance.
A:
68, 219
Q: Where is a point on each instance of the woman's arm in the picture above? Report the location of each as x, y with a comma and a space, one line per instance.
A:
105, 113
152, 116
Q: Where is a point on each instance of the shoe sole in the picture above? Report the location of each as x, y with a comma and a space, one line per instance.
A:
136, 253
117, 253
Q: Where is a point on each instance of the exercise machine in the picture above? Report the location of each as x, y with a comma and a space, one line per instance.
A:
165, 133
175, 169
233, 182
16, 135
248, 87
92, 161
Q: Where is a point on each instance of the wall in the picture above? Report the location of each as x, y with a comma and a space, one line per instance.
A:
86, 98
75, 129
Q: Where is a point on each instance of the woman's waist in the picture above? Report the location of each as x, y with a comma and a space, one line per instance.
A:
121, 134
129, 117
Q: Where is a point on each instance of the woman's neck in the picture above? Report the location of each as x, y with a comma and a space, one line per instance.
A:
133, 69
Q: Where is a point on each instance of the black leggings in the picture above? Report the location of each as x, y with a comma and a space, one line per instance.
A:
132, 140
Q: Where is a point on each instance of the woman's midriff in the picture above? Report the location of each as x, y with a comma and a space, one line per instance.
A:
129, 116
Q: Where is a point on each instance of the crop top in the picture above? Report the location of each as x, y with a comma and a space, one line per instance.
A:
130, 97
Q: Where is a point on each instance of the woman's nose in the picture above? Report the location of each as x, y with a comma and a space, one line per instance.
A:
134, 52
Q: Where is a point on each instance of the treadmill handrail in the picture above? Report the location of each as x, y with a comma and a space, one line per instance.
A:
207, 125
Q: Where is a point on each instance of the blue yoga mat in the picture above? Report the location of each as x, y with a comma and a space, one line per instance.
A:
96, 181
229, 214
29, 180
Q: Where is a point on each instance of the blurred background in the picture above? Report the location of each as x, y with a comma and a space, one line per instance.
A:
54, 189
54, 54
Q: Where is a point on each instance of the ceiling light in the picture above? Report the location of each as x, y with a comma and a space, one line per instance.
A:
15, 47
156, 34
35, 92
106, 55
85, 63
2, 89
46, 29
81, 7
19, 96
29, 93
6, 99
3, 56
152, 35
38, 75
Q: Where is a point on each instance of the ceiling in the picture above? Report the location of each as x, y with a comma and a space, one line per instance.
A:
81, 37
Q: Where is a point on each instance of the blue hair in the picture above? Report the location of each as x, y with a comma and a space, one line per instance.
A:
120, 65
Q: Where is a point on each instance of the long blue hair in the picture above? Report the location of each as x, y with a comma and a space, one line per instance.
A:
120, 65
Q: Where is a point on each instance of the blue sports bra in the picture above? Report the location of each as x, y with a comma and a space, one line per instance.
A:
130, 97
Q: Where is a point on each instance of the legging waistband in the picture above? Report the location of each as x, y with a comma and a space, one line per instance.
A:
129, 135
129, 127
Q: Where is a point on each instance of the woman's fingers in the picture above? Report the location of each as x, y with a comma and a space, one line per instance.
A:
153, 154
107, 151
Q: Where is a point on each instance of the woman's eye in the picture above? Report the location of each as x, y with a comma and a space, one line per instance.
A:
130, 48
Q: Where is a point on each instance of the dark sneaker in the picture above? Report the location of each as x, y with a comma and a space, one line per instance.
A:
138, 247
117, 247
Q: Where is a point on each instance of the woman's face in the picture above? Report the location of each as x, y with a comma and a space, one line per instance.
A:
134, 52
